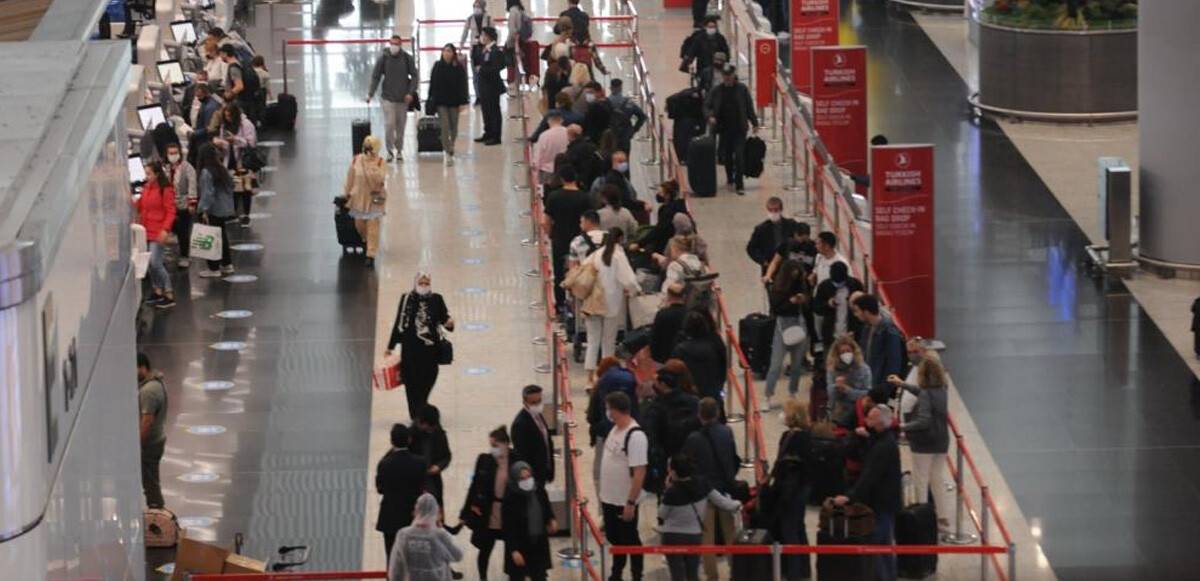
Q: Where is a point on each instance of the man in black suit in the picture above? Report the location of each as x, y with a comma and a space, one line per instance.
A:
770, 234
531, 437
400, 478
491, 86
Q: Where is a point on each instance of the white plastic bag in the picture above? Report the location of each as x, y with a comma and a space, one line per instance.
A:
206, 242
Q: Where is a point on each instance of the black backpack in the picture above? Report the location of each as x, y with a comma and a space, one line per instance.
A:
681, 422
250, 82
656, 464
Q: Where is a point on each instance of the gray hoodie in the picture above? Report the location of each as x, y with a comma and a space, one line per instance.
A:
399, 74
684, 504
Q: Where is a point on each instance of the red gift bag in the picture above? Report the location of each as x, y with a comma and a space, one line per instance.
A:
387, 374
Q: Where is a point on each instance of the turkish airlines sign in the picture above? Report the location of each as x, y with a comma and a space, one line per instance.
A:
902, 232
814, 23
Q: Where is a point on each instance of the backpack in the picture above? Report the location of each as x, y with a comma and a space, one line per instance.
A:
250, 83
655, 470
756, 151
525, 31
698, 288
681, 422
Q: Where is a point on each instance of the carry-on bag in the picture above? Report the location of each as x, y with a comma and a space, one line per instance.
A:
838, 528
916, 524
756, 333
751, 567
161, 528
702, 166
756, 152
359, 130
429, 134
282, 113
347, 234
827, 469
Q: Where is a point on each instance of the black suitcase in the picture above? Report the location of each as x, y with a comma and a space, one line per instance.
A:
916, 524
359, 130
751, 567
827, 470
429, 134
682, 133
756, 152
756, 332
347, 234
702, 166
843, 567
282, 113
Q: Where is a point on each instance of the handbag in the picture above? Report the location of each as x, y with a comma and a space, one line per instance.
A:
595, 303
445, 351
387, 375
581, 280
254, 157
794, 334
643, 308
739, 490
205, 242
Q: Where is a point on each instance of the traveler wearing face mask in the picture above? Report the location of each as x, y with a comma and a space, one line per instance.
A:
481, 510
365, 190
703, 45
476, 22
669, 204
396, 69
850, 376
423, 550
770, 234
598, 115
530, 436
526, 523
417, 331
617, 175
183, 176
491, 86
613, 375
730, 111
831, 304
622, 474
789, 296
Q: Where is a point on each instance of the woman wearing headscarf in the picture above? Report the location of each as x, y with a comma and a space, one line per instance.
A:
481, 510
418, 331
423, 550
365, 190
526, 523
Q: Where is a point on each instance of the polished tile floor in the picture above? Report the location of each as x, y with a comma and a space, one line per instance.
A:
1086, 409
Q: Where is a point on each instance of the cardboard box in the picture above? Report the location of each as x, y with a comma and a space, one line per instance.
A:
192, 556
244, 564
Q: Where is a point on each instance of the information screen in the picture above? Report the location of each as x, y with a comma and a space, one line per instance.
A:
151, 116
137, 172
184, 31
171, 72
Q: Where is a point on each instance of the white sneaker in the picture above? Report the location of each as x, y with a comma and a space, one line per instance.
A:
206, 273
399, 156
227, 269
183, 263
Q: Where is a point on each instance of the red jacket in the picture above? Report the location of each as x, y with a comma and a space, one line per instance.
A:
156, 209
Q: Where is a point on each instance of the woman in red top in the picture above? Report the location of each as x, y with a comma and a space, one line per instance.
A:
156, 212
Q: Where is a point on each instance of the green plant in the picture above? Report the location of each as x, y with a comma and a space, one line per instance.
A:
1063, 14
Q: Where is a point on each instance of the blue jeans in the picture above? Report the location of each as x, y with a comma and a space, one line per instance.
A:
885, 527
159, 279
778, 350
793, 532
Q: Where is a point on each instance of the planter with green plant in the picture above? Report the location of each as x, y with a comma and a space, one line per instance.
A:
1063, 14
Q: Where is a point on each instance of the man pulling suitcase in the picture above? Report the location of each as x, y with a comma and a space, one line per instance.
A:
730, 112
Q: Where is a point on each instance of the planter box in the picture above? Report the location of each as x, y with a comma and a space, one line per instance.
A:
1058, 74
939, 5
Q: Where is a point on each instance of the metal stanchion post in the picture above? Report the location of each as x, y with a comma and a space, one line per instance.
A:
572, 551
958, 537
751, 416
1012, 562
604, 559
584, 553
983, 530
776, 562
283, 55
731, 415
523, 181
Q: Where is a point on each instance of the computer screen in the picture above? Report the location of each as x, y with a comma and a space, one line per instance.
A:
151, 116
171, 72
184, 31
137, 172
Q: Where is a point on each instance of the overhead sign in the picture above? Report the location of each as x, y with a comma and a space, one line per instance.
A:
766, 51
814, 23
902, 231
839, 96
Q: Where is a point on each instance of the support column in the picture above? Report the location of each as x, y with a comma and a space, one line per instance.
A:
1168, 117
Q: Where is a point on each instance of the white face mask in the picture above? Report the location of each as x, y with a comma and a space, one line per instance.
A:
774, 216
173, 157
477, 11
608, 415
497, 451
589, 97
527, 484
710, 31
394, 49
847, 357
536, 409
424, 289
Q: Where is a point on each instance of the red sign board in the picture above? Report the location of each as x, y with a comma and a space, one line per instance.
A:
839, 97
765, 56
814, 23
902, 232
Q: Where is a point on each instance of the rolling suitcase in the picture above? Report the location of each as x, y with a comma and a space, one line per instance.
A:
827, 469
359, 130
282, 113
842, 567
702, 166
751, 567
429, 134
347, 234
916, 524
756, 151
756, 332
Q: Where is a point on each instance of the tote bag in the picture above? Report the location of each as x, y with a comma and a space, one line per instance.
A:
206, 242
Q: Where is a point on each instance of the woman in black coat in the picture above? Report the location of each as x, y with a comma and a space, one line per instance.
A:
526, 523
704, 353
447, 94
481, 510
418, 331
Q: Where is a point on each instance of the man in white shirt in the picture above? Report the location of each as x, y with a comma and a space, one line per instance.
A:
827, 254
591, 239
622, 471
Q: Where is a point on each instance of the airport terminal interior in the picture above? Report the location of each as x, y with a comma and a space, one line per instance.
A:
1046, 261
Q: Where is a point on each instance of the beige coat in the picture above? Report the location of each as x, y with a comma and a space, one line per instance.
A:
363, 179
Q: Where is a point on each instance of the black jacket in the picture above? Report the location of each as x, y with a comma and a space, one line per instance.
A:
528, 445
656, 420
879, 484
820, 306
664, 228
588, 165
720, 469
791, 465
761, 247
745, 107
437, 309
514, 529
705, 358
664, 332
435, 449
597, 118
701, 48
491, 62
481, 495
447, 86
884, 352
400, 478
